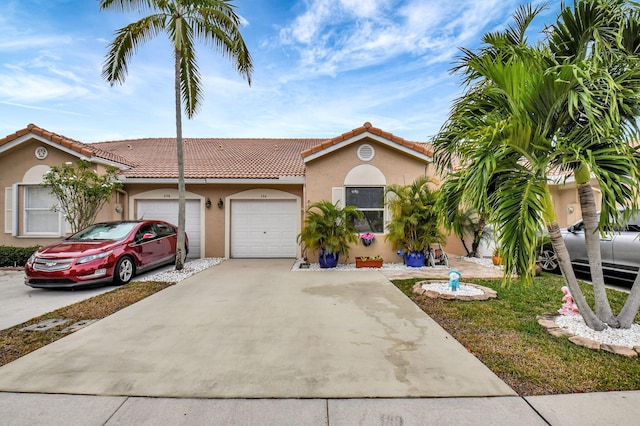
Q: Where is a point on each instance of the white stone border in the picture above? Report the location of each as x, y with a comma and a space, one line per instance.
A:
548, 322
487, 293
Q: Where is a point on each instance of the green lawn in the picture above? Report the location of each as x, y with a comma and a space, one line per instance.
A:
505, 335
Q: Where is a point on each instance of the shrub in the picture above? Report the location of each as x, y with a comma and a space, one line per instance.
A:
15, 256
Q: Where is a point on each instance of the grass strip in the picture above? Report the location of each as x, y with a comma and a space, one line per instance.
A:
505, 335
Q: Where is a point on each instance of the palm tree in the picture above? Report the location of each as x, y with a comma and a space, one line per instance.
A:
185, 22
415, 220
567, 105
330, 229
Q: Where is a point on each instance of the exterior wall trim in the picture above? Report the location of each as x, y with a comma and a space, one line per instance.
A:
368, 135
286, 180
93, 159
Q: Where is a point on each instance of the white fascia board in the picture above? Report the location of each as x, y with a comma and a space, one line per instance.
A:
377, 138
286, 181
62, 148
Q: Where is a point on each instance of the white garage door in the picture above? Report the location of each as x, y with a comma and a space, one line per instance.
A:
167, 210
263, 228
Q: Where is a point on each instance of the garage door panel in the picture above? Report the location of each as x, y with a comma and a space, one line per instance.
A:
167, 210
263, 228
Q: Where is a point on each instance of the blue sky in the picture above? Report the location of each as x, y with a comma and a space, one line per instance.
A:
322, 67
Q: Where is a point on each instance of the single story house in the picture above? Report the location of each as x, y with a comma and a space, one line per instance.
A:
245, 197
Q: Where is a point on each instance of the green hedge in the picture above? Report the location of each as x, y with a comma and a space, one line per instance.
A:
15, 256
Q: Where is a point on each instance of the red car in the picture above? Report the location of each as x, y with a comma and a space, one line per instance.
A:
103, 253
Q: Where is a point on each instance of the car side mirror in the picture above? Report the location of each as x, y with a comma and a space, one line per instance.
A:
148, 236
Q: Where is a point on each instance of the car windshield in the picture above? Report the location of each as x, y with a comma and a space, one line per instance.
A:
104, 231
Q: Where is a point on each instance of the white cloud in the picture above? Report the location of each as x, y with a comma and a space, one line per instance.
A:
331, 37
34, 88
25, 42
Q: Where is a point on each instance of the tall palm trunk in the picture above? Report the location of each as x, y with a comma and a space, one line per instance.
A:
564, 261
628, 313
592, 241
180, 251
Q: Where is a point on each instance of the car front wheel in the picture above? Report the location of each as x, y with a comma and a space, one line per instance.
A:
548, 260
124, 271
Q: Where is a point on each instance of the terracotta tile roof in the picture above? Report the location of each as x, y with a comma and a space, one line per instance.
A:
422, 148
87, 150
213, 158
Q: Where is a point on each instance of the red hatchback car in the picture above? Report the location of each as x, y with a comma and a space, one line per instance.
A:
103, 253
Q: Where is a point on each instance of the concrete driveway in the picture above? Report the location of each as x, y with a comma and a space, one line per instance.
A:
20, 303
255, 329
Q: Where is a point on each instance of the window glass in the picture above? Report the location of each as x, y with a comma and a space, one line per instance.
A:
164, 230
371, 201
38, 216
105, 231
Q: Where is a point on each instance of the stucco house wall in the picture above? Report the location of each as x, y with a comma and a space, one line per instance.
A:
21, 166
215, 219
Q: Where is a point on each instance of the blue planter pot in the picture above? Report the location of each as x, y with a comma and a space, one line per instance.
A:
414, 259
328, 260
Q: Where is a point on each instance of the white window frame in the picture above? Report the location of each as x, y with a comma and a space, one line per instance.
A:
371, 209
25, 220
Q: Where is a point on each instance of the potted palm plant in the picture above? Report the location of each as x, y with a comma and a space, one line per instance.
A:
330, 230
414, 219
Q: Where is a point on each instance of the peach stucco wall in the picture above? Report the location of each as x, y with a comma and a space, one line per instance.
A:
330, 170
214, 217
15, 163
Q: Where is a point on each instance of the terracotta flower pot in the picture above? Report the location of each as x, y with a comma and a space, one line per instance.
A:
369, 263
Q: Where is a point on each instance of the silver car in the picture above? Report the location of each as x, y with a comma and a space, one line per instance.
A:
620, 251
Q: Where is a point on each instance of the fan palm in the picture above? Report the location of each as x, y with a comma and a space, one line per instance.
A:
568, 105
185, 22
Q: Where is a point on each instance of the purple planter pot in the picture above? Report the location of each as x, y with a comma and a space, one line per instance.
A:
414, 259
328, 260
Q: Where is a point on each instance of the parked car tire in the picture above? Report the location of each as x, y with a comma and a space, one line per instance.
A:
548, 260
125, 270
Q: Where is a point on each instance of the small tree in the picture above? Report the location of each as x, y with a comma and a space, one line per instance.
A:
81, 192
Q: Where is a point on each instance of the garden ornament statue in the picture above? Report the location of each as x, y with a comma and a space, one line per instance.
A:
569, 307
454, 280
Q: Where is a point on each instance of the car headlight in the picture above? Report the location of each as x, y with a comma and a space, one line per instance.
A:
31, 259
91, 258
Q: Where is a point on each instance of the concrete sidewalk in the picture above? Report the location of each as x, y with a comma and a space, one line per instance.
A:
613, 408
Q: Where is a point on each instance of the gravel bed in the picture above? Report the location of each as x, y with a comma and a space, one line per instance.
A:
352, 267
613, 336
190, 268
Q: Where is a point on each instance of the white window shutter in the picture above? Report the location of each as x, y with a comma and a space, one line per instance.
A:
8, 210
387, 209
337, 196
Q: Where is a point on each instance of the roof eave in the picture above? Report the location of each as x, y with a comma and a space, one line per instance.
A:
282, 180
367, 135
83, 154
